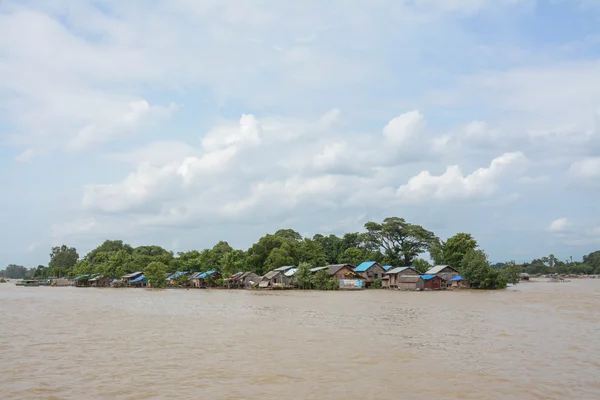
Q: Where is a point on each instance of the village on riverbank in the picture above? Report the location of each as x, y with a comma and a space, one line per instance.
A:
367, 275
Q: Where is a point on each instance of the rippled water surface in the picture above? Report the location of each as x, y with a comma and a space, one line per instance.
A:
535, 341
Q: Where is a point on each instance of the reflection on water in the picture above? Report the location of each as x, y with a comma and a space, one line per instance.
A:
535, 341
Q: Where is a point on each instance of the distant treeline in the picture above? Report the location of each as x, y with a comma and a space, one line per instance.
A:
392, 242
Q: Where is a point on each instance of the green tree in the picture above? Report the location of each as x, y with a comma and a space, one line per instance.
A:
232, 262
510, 272
155, 274
455, 248
303, 276
62, 260
353, 256
421, 265
310, 251
289, 234
436, 252
13, 271
108, 248
322, 281
477, 271
278, 258
402, 242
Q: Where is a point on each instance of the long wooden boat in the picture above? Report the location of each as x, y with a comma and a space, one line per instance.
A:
28, 282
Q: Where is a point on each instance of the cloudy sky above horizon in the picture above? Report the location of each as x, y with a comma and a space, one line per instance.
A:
182, 123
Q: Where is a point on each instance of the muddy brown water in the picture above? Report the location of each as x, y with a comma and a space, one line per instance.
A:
534, 341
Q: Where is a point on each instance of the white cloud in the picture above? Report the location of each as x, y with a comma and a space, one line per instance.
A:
586, 170
120, 123
559, 225
404, 128
453, 184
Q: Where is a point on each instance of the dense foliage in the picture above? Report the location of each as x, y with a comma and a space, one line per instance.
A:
392, 242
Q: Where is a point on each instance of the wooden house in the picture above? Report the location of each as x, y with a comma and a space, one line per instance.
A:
248, 280
445, 272
459, 282
100, 281
393, 274
273, 278
369, 272
172, 278
204, 279
341, 271
430, 282
409, 282
125, 279
140, 281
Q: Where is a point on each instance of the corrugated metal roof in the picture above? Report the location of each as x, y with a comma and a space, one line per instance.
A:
284, 268
290, 272
317, 269
333, 268
138, 279
428, 277
457, 278
132, 275
437, 269
271, 274
365, 266
177, 275
386, 267
397, 270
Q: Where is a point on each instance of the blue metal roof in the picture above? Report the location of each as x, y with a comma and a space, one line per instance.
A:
386, 267
428, 277
206, 274
457, 278
138, 279
364, 266
177, 275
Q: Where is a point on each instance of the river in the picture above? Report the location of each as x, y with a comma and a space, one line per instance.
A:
534, 341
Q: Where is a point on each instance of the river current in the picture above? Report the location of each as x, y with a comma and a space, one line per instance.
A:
537, 340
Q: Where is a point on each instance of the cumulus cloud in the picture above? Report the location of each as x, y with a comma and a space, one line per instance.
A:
256, 169
586, 170
453, 184
559, 225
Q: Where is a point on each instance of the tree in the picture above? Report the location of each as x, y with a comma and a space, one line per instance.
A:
13, 271
310, 251
322, 281
436, 252
232, 262
289, 234
455, 248
421, 265
303, 276
352, 256
155, 274
477, 271
278, 258
402, 242
108, 248
511, 272
62, 260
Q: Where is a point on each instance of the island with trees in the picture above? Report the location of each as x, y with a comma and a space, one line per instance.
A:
392, 242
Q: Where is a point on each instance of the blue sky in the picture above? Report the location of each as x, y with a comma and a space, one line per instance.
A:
182, 123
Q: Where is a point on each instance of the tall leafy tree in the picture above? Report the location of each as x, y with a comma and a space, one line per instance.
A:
353, 256
303, 276
289, 234
155, 274
401, 241
311, 251
62, 260
421, 265
456, 247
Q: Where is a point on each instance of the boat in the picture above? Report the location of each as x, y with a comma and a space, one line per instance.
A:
28, 282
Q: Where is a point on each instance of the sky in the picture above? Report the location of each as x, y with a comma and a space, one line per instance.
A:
184, 122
